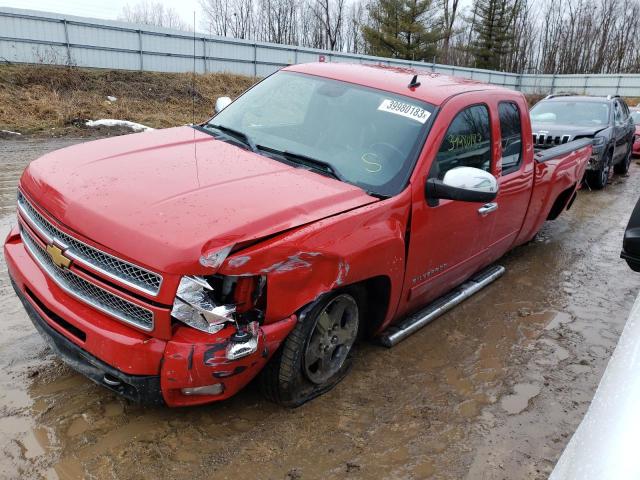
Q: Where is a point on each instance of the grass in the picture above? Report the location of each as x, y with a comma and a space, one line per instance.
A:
49, 100
56, 100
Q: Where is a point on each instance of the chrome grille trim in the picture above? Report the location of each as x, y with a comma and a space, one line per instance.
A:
127, 273
543, 140
87, 292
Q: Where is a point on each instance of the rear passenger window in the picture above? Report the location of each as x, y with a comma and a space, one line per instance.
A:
511, 132
467, 142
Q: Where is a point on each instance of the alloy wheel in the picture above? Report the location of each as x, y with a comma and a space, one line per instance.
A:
332, 338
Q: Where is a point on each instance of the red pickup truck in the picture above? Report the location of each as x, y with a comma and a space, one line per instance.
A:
326, 203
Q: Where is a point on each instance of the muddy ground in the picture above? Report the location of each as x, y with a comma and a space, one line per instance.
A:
492, 390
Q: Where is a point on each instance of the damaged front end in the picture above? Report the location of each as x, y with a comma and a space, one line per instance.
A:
219, 342
200, 368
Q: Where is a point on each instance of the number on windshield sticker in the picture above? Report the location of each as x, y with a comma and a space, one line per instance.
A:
405, 109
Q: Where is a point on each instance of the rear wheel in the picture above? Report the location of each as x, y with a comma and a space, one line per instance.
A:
623, 167
317, 353
598, 179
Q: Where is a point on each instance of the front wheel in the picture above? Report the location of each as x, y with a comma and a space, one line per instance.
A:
317, 353
598, 179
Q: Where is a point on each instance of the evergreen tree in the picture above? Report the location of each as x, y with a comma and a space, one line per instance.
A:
494, 32
401, 29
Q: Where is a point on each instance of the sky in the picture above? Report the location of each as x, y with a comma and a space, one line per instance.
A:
108, 9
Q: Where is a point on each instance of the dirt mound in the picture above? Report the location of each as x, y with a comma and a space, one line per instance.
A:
56, 100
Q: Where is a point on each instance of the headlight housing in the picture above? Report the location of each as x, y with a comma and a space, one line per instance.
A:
194, 305
208, 304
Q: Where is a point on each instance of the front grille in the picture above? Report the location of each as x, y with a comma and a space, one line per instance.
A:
125, 272
547, 141
87, 292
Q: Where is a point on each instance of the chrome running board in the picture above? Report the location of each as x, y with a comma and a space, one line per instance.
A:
401, 330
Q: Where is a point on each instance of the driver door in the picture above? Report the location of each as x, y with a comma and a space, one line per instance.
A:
449, 238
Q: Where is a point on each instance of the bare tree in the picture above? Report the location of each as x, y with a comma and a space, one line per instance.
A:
330, 15
147, 12
449, 11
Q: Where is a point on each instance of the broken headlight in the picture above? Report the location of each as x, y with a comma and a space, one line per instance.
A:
207, 304
194, 305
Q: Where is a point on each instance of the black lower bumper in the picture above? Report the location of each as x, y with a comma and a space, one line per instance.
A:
138, 388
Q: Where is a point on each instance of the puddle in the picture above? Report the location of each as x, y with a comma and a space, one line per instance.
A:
519, 399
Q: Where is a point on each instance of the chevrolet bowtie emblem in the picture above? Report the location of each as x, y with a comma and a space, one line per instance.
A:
57, 256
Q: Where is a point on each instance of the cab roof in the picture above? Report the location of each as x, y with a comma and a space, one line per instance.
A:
434, 88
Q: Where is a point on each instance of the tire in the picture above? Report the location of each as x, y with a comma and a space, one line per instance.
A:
598, 179
312, 360
622, 168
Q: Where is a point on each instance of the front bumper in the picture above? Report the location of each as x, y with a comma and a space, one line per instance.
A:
129, 362
138, 388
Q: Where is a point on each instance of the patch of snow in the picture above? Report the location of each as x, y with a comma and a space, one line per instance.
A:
9, 132
111, 99
109, 122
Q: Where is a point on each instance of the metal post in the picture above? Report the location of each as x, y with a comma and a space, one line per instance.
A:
255, 59
618, 85
66, 38
586, 81
295, 55
553, 83
204, 53
140, 48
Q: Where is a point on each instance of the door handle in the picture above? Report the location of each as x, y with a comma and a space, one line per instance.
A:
487, 208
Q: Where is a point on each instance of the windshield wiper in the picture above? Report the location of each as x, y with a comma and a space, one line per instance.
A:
236, 134
305, 160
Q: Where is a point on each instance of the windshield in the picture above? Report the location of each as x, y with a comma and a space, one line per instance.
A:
367, 137
584, 114
635, 115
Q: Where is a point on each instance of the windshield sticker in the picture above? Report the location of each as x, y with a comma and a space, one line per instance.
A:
405, 109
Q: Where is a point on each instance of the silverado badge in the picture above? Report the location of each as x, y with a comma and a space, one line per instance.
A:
58, 257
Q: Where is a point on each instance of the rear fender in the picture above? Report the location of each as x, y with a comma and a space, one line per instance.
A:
553, 178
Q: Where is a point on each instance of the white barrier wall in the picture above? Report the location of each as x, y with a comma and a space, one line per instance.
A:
28, 36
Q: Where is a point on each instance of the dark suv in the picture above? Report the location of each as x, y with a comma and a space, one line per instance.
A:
559, 119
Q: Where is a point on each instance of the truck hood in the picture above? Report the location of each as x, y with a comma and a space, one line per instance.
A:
163, 198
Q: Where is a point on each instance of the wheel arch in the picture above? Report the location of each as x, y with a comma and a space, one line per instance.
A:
563, 200
373, 296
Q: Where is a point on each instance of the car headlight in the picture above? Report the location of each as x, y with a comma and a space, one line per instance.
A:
598, 140
195, 306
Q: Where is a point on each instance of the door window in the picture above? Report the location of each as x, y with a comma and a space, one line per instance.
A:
467, 142
511, 133
618, 113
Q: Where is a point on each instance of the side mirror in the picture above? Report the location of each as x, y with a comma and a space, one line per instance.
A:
221, 104
466, 184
